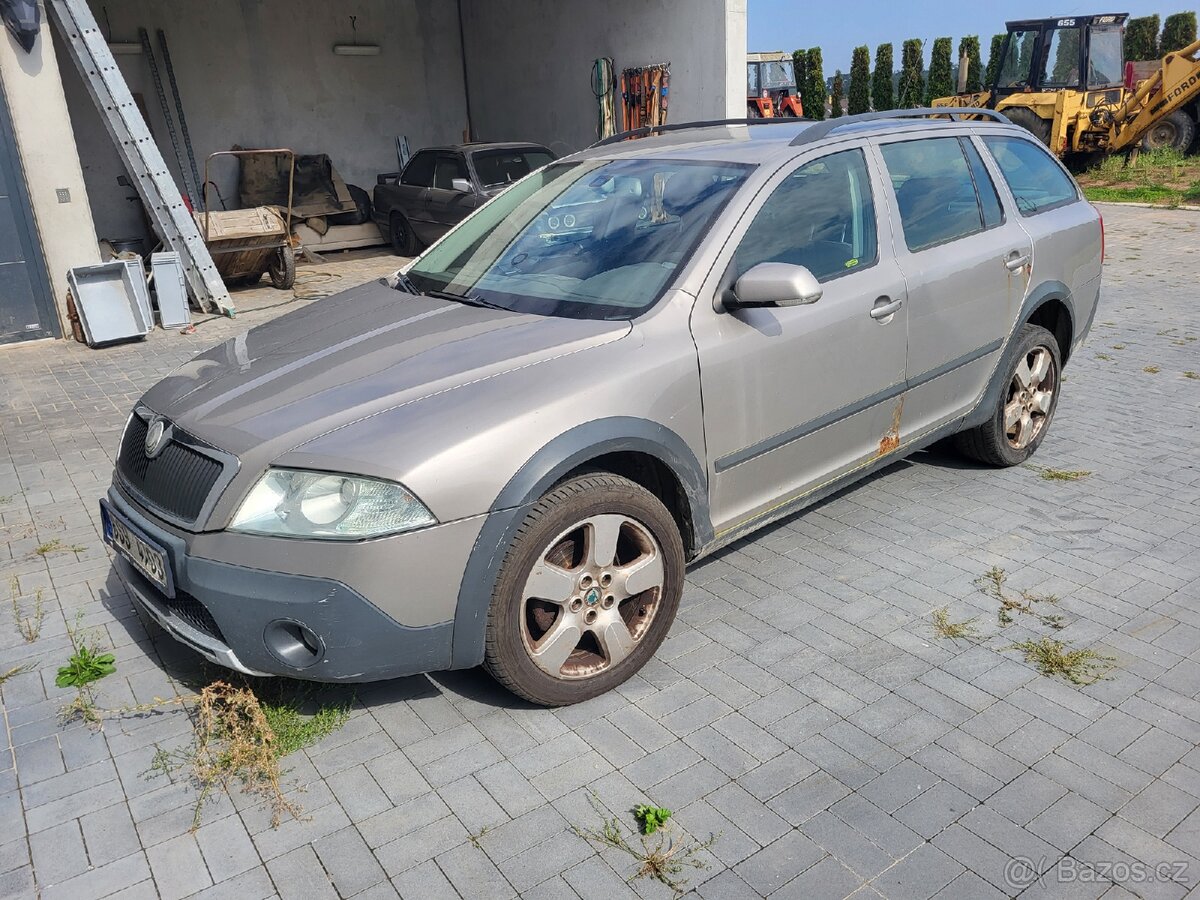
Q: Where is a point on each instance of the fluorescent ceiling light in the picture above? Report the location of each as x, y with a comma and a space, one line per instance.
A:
356, 49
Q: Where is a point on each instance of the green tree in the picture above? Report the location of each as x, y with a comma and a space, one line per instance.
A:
941, 79
1141, 38
969, 47
799, 72
835, 96
882, 95
912, 85
813, 96
993, 66
859, 95
1179, 30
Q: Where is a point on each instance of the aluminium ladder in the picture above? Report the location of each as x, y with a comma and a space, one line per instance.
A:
158, 191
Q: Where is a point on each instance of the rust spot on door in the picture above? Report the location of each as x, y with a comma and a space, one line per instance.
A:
891, 439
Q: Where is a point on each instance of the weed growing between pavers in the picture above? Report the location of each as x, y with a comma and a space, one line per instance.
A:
240, 739
955, 631
15, 670
1193, 375
1047, 474
1053, 658
651, 818
29, 627
992, 583
1152, 370
84, 666
664, 859
57, 546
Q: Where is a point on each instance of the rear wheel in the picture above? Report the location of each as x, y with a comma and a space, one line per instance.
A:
1022, 417
586, 592
1175, 132
1030, 121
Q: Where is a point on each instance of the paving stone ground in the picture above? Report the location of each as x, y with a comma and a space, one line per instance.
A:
802, 707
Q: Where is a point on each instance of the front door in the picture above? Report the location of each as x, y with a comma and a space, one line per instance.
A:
26, 304
447, 205
967, 266
796, 396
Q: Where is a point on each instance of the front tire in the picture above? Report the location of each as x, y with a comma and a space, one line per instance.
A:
1030, 121
1026, 407
587, 591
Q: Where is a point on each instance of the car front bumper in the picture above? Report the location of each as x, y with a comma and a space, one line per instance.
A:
262, 620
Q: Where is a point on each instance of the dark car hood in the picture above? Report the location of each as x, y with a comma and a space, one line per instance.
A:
352, 355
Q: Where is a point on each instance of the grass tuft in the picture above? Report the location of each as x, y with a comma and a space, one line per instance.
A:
29, 627
1061, 474
15, 670
1152, 370
1054, 658
954, 631
1195, 376
992, 583
664, 859
241, 738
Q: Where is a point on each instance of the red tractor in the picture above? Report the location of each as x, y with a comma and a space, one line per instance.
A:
771, 86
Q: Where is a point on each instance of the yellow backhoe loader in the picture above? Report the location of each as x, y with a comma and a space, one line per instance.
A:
1067, 81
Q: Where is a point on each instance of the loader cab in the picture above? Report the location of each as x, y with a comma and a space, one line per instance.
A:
1072, 53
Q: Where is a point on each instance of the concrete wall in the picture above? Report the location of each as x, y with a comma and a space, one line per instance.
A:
529, 61
261, 73
48, 155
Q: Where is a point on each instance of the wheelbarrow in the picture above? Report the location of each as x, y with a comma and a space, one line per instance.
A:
245, 243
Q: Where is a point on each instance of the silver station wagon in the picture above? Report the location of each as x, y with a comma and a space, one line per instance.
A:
507, 453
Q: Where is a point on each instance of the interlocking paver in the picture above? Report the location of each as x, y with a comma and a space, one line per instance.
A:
801, 704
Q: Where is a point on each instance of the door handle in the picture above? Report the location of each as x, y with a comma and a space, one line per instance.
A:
884, 307
1016, 261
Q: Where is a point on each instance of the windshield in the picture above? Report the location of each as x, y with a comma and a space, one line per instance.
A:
599, 239
778, 74
501, 167
1060, 67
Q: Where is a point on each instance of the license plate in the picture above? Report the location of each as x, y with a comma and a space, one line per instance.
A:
148, 559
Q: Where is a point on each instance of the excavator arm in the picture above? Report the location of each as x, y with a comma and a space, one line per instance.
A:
1172, 87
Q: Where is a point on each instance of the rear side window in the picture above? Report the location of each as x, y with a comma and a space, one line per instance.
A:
449, 166
935, 191
821, 217
419, 171
1037, 181
989, 200
497, 167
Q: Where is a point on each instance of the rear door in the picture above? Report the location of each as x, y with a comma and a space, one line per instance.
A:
795, 396
413, 195
26, 304
966, 262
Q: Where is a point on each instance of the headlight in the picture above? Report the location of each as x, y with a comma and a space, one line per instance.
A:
295, 503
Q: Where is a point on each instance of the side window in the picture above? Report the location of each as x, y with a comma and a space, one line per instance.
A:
934, 191
822, 217
419, 171
1036, 179
989, 200
449, 166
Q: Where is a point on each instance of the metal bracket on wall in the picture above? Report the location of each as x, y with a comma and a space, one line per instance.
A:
127, 128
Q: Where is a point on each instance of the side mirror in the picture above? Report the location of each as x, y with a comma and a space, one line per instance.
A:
461, 184
775, 284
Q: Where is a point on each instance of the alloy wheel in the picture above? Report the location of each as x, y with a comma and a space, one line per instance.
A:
591, 596
1030, 397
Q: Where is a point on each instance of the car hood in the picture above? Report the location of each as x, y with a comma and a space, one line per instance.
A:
350, 356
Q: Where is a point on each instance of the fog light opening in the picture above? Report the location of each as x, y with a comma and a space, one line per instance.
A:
294, 643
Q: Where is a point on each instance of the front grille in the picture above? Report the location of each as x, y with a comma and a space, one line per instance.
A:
177, 481
193, 612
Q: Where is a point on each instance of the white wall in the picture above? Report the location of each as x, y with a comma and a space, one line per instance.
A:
261, 73
47, 149
529, 61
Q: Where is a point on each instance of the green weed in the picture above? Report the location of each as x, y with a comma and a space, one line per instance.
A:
650, 818
945, 628
1054, 658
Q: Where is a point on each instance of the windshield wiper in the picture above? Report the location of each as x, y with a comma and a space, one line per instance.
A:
468, 299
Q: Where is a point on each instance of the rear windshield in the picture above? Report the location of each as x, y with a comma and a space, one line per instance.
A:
500, 167
597, 239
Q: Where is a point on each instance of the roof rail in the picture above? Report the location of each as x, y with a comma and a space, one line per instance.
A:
822, 128
683, 126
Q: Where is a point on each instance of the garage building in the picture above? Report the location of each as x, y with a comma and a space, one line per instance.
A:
270, 73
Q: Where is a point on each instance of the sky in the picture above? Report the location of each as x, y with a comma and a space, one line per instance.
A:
838, 26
